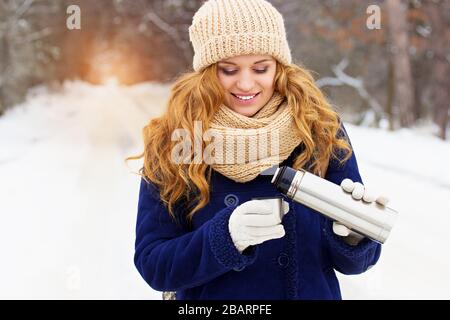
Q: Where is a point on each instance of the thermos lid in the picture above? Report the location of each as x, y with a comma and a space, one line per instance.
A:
283, 178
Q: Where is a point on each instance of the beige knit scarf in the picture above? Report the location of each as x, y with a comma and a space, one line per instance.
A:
251, 145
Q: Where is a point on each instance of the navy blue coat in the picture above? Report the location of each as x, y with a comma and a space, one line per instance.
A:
200, 261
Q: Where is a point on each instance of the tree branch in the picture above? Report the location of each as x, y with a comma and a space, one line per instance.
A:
169, 30
35, 36
22, 9
357, 83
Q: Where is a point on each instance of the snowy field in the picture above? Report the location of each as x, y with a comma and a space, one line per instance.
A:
68, 200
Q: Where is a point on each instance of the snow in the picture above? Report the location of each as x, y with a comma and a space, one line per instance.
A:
69, 200
413, 170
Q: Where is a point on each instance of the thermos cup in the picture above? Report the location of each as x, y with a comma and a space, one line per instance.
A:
368, 219
276, 202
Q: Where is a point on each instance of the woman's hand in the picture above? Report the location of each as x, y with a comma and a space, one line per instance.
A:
257, 221
358, 192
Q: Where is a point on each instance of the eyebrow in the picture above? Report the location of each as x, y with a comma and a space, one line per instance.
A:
253, 63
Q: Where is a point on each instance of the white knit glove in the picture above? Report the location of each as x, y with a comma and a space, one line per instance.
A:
256, 221
359, 192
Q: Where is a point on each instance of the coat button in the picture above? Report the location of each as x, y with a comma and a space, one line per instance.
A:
231, 200
283, 260
239, 268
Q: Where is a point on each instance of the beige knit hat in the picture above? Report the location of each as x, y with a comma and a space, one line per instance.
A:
224, 28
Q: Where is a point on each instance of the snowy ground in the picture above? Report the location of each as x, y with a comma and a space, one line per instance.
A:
68, 201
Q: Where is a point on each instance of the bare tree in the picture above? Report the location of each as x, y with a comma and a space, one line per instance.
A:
22, 28
399, 48
440, 68
172, 18
375, 111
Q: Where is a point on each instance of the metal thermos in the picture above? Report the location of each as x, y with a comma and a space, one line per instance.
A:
371, 220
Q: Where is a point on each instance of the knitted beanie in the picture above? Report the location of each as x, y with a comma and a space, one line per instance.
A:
225, 28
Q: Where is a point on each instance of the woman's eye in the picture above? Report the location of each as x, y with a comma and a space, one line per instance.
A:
231, 72
228, 72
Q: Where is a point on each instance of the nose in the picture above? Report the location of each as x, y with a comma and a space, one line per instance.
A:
245, 82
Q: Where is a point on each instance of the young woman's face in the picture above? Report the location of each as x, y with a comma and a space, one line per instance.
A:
248, 81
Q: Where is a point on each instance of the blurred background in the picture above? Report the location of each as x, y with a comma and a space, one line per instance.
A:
80, 79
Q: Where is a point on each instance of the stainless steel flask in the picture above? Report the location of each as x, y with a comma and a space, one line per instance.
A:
368, 219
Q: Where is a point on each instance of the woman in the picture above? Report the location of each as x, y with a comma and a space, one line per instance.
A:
200, 233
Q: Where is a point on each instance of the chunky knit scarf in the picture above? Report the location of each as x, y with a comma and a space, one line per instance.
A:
251, 145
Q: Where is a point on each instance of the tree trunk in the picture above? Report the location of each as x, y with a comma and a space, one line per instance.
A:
4, 62
390, 95
440, 68
399, 44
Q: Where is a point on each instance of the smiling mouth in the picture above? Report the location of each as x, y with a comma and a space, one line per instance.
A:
246, 98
